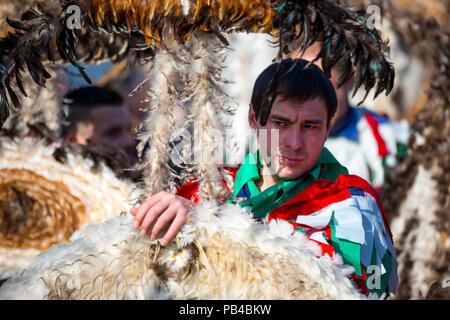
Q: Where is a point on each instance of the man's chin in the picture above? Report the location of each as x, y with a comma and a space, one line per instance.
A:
283, 171
287, 173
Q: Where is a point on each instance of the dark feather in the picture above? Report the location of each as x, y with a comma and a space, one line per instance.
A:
19, 82
4, 110
12, 95
19, 25
42, 35
30, 15
37, 70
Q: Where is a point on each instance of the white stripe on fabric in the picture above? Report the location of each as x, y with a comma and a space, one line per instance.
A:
319, 236
318, 220
373, 213
347, 220
378, 237
366, 250
357, 219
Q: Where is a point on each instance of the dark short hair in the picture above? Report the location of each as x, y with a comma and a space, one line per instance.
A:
81, 101
295, 80
92, 96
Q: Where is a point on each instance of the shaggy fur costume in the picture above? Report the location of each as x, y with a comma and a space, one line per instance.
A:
221, 253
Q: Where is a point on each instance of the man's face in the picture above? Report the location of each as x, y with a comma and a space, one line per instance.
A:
302, 129
110, 125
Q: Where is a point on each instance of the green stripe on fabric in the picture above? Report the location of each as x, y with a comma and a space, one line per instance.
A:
384, 163
387, 263
384, 278
350, 251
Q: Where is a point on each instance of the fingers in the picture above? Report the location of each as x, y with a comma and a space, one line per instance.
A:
154, 214
176, 225
164, 220
159, 212
140, 212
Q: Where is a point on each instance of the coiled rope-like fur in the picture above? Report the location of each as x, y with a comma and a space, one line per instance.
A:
46, 196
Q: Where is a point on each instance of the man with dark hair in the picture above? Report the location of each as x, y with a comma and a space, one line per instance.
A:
293, 177
299, 83
98, 115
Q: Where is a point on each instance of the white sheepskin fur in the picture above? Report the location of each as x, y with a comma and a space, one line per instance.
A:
221, 253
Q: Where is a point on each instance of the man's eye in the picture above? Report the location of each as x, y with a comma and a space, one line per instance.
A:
279, 123
309, 126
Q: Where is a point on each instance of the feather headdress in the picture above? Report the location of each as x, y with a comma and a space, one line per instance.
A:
48, 34
148, 28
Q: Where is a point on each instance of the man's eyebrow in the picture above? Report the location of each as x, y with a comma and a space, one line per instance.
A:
314, 121
280, 118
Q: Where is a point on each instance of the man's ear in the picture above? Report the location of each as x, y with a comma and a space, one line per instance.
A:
252, 118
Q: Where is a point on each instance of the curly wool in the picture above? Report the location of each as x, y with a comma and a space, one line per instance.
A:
221, 253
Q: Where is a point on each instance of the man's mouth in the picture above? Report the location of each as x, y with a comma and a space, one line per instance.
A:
290, 161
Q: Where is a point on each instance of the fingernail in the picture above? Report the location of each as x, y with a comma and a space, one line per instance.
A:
135, 224
163, 242
143, 232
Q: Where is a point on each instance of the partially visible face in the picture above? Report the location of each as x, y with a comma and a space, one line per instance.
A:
111, 126
302, 130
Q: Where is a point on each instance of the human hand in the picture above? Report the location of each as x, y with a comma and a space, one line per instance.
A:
159, 211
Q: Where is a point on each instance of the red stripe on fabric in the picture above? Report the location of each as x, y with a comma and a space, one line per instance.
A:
353, 181
327, 231
326, 248
189, 191
232, 171
373, 123
359, 283
317, 196
363, 277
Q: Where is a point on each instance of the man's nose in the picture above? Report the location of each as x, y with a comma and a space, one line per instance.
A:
294, 139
